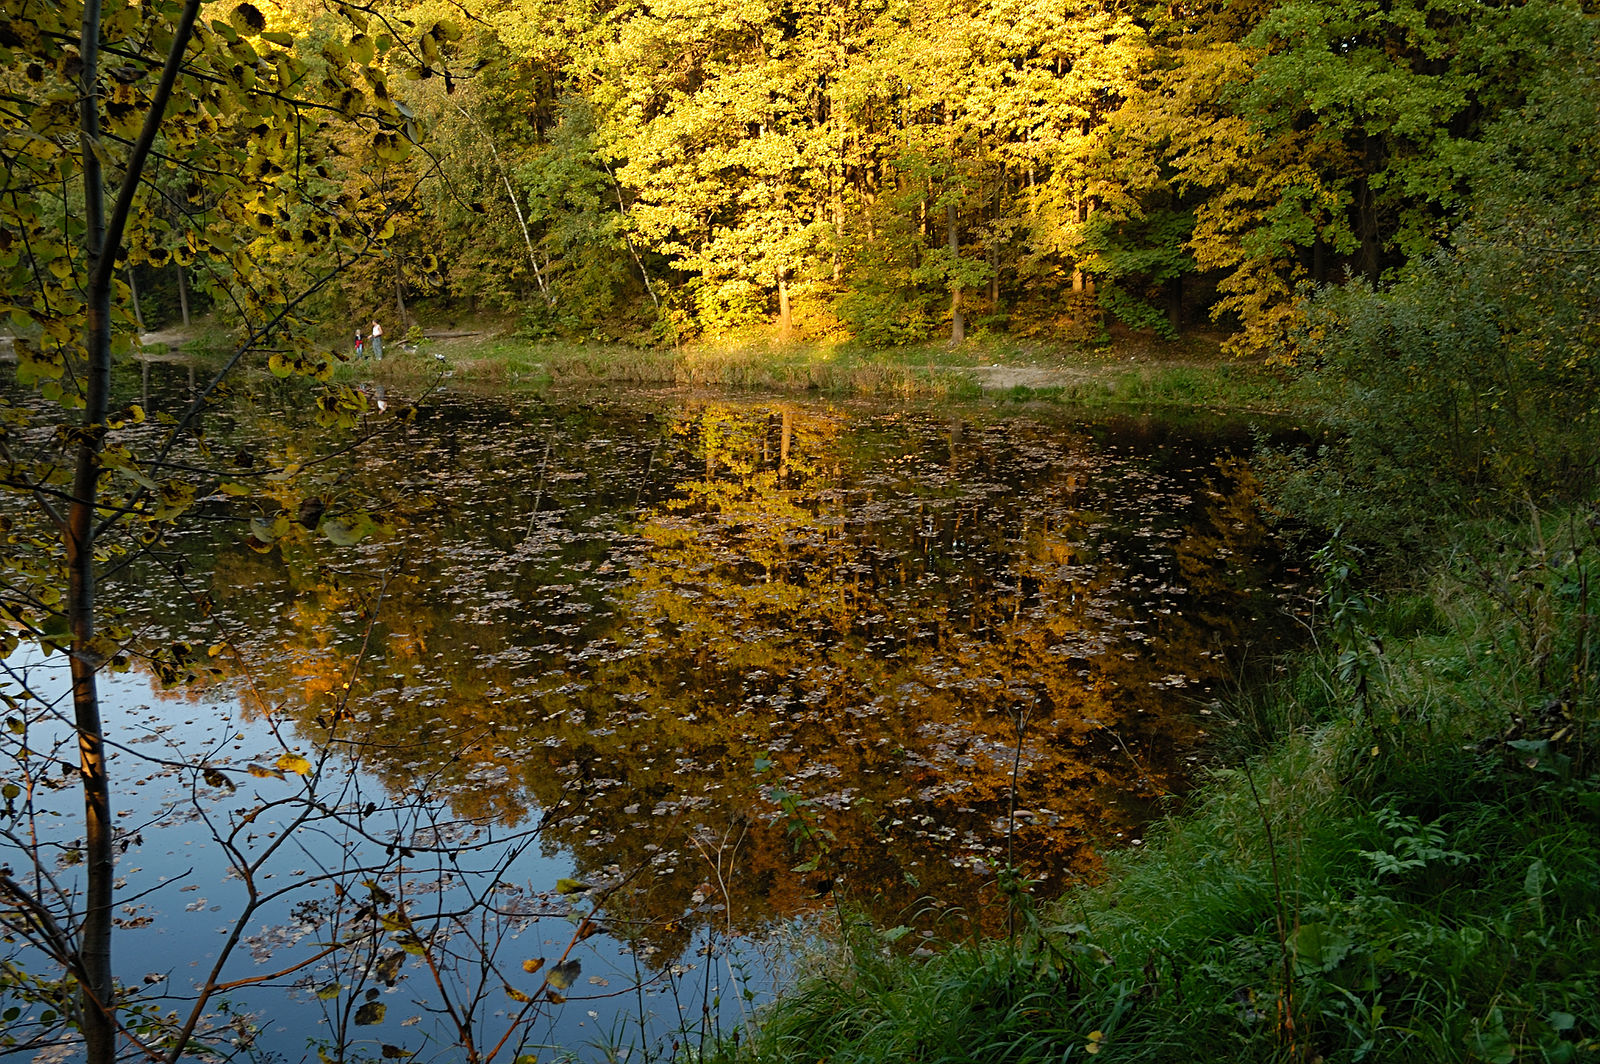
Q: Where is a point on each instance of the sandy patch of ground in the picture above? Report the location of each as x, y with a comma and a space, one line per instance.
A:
1004, 378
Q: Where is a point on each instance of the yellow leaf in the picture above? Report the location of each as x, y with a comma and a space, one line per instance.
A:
294, 763
533, 965
263, 772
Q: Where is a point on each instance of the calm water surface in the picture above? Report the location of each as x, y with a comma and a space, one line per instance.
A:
672, 648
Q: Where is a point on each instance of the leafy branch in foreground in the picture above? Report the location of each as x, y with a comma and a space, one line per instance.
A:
242, 118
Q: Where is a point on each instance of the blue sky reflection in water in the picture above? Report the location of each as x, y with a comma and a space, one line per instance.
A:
625, 625
180, 899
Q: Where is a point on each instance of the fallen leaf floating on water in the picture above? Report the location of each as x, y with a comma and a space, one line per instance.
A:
563, 975
388, 969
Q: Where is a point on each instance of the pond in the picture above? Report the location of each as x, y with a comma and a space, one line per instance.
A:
634, 687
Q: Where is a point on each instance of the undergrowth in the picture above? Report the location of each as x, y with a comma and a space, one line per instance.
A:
1405, 867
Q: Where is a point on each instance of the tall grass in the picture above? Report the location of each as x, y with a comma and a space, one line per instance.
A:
1237, 387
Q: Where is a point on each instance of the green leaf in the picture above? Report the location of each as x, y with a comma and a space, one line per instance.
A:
1319, 946
1492, 1041
269, 529
348, 530
370, 1013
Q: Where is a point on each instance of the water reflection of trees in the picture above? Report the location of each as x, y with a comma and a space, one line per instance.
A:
611, 615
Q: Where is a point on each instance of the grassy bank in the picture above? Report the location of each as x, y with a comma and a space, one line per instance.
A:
1405, 866
784, 367
1126, 374
1131, 372
1232, 386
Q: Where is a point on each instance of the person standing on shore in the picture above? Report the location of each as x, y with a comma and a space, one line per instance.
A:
359, 350
377, 342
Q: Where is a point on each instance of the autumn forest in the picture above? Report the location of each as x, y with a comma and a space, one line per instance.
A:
884, 171
1253, 713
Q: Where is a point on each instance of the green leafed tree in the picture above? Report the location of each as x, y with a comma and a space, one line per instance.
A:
1472, 375
1357, 128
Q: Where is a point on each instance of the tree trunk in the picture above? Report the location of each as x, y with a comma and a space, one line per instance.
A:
1367, 228
1175, 303
638, 261
783, 447
399, 296
103, 238
838, 236
94, 934
1079, 281
133, 296
785, 321
183, 294
516, 206
958, 320
1367, 213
